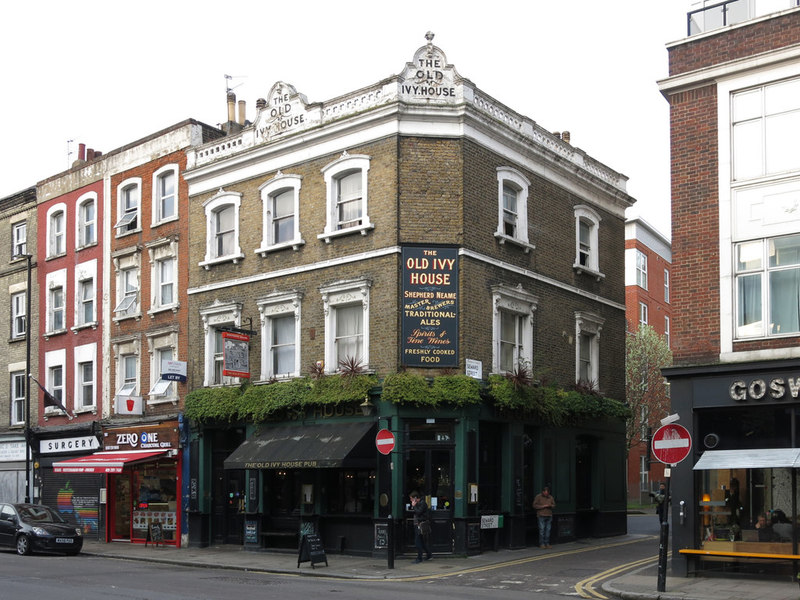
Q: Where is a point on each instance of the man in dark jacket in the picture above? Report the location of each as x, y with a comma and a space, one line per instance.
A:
422, 526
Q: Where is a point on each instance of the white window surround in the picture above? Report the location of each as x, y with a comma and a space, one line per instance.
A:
332, 172
736, 200
591, 324
216, 316
19, 317
83, 227
55, 280
520, 302
84, 354
53, 235
666, 286
666, 331
157, 217
19, 239
157, 252
341, 294
587, 215
161, 391
641, 269
278, 184
127, 268
520, 184
643, 313
124, 219
53, 359
271, 307
85, 273
17, 390
130, 347
217, 202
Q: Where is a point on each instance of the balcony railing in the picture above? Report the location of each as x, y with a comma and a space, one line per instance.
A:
730, 12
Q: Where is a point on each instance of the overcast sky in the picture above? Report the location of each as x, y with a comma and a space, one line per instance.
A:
106, 73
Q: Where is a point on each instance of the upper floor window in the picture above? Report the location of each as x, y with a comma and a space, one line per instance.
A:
641, 269
280, 339
512, 326
127, 269
56, 379
280, 199
163, 274
87, 221
512, 207
163, 348
19, 317
643, 313
127, 374
666, 286
56, 313
346, 307
86, 302
347, 196
666, 331
587, 255
765, 127
128, 205
18, 390
19, 239
216, 318
165, 194
85, 377
222, 229
56, 235
587, 351
767, 274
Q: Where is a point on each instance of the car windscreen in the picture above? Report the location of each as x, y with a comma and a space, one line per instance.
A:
39, 514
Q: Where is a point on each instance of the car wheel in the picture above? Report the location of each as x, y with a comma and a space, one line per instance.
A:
23, 545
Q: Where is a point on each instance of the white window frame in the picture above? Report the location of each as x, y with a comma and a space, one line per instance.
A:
85, 285
339, 295
158, 215
590, 265
643, 313
127, 353
55, 359
212, 206
591, 325
666, 286
333, 173
269, 191
666, 331
17, 377
57, 231
159, 252
522, 304
86, 354
215, 317
272, 307
19, 317
127, 265
515, 180
641, 269
162, 390
129, 221
56, 286
86, 229
19, 239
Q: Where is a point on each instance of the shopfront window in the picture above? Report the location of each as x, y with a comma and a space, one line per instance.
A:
154, 499
351, 492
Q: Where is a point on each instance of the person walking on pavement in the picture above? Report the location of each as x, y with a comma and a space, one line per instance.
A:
422, 527
544, 504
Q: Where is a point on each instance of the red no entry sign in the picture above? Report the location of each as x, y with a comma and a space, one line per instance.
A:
384, 441
671, 443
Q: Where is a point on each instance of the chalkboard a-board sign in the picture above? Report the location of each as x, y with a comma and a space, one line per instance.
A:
311, 549
381, 535
154, 534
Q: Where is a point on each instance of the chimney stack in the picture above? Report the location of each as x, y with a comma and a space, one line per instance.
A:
231, 107
89, 154
81, 151
565, 136
241, 112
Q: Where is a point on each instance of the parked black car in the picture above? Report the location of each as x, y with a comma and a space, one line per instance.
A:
35, 527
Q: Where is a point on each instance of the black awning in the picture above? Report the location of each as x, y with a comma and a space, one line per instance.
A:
307, 447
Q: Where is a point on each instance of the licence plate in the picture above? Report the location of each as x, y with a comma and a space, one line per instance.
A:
64, 540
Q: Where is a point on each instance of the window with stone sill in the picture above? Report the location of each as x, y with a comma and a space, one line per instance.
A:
128, 206
56, 231
512, 208
87, 220
512, 328
216, 318
280, 200
163, 255
165, 194
280, 335
347, 196
587, 253
346, 308
222, 229
587, 349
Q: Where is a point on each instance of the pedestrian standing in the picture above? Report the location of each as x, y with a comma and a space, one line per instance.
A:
422, 527
544, 503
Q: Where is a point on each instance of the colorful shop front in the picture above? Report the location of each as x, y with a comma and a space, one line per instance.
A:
140, 469
478, 470
745, 425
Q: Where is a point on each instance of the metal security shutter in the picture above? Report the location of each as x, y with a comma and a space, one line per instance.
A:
76, 497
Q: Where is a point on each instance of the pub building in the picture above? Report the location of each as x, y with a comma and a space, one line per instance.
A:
139, 471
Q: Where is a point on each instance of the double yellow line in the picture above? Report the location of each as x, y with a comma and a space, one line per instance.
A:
586, 589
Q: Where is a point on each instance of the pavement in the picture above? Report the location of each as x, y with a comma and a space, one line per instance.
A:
638, 584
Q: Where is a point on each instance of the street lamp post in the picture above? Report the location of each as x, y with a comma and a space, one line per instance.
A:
28, 497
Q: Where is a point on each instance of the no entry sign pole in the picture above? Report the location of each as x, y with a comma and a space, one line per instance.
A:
671, 444
384, 442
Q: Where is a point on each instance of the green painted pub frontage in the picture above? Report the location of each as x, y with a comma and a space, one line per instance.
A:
264, 486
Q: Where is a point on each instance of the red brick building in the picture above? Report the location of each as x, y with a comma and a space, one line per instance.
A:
648, 261
734, 96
